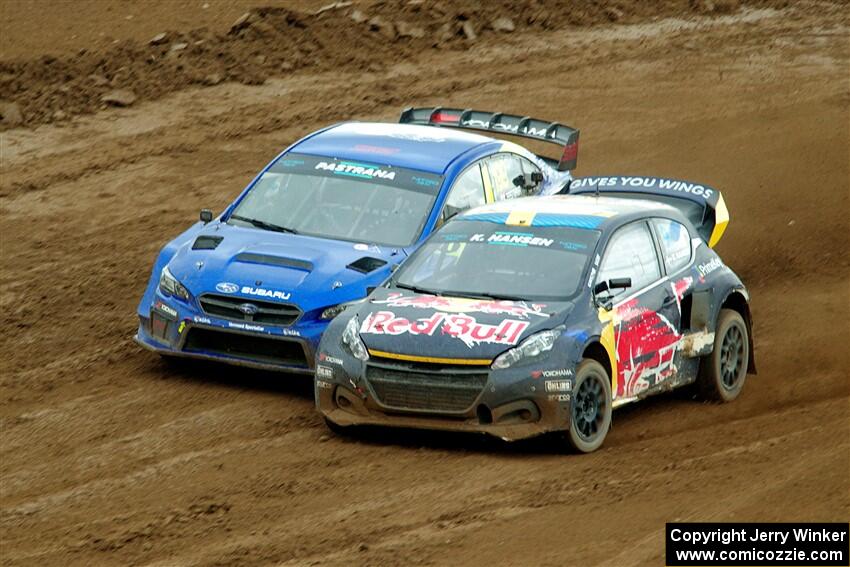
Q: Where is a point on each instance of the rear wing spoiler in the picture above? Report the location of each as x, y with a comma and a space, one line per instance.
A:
511, 124
702, 205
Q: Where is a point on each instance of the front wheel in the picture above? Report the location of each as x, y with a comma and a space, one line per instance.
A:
722, 373
590, 410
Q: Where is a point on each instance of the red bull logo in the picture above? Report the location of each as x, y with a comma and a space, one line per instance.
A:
464, 305
646, 346
462, 327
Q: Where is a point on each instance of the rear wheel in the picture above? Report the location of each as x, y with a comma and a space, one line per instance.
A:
590, 407
723, 373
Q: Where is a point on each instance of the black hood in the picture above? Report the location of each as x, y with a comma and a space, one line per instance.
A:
403, 322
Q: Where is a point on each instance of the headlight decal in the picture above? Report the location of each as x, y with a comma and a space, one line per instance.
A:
334, 310
352, 341
530, 348
169, 285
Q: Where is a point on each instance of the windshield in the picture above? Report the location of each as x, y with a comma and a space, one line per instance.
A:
485, 259
340, 199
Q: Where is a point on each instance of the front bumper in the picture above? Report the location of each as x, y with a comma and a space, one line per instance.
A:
173, 328
511, 405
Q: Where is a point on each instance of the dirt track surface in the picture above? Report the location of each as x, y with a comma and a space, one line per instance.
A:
110, 456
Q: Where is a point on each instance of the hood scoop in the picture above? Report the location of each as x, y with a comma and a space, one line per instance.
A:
366, 264
269, 260
204, 242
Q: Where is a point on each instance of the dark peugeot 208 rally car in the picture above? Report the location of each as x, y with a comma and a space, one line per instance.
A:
543, 314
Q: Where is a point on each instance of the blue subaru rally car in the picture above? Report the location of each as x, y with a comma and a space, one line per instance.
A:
325, 223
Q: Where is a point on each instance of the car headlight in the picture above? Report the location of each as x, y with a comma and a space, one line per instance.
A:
335, 310
169, 285
533, 346
351, 339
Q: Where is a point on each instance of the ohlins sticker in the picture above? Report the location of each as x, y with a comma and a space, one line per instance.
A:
354, 169
462, 327
463, 305
672, 185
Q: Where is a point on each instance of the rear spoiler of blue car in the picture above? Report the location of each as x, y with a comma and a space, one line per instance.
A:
702, 205
498, 122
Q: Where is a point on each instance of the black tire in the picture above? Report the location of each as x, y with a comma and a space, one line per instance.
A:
590, 407
722, 373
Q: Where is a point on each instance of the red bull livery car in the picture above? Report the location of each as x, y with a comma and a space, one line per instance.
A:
543, 314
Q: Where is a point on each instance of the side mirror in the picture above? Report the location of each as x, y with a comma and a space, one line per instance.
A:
206, 216
449, 211
528, 181
608, 285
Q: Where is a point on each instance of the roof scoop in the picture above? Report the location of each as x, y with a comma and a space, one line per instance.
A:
269, 260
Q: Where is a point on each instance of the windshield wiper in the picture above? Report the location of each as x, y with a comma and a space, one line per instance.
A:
264, 225
477, 295
418, 289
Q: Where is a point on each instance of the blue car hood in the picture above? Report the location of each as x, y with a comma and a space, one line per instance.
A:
259, 264
399, 321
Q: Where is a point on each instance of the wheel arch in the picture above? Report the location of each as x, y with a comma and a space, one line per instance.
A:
595, 351
738, 300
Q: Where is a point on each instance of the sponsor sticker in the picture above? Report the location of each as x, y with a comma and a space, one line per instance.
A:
354, 169
512, 239
558, 385
464, 305
245, 326
559, 397
558, 373
204, 320
460, 326
324, 385
710, 266
229, 287
261, 292
670, 185
330, 359
324, 371
166, 309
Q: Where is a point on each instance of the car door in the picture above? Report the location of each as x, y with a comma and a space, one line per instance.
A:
646, 329
676, 249
466, 192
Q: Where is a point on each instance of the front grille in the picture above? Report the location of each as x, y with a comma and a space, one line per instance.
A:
253, 347
441, 391
268, 312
